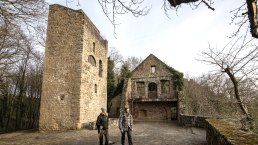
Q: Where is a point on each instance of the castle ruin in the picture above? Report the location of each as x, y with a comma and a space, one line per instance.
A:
75, 71
150, 93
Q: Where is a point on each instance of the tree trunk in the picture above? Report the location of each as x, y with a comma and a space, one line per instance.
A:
11, 98
236, 91
247, 122
19, 104
21, 88
252, 10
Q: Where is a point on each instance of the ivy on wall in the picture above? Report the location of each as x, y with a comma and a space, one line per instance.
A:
178, 78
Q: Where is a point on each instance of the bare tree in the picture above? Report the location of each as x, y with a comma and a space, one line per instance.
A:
21, 89
118, 59
132, 62
241, 15
198, 96
22, 30
20, 20
29, 15
113, 7
210, 95
238, 60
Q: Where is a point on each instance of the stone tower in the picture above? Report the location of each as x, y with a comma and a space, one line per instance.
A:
75, 71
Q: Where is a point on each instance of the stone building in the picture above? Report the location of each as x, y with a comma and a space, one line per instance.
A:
151, 93
75, 71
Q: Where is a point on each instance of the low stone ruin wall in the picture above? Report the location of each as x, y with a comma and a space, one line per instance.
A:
192, 121
220, 131
224, 132
113, 122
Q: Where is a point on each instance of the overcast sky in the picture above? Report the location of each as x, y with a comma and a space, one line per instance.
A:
176, 41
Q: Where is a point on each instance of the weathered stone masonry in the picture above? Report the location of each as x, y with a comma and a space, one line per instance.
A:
150, 92
75, 71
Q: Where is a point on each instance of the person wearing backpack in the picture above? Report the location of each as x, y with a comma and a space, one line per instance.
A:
102, 126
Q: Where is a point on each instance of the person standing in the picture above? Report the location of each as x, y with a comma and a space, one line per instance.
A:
102, 126
126, 126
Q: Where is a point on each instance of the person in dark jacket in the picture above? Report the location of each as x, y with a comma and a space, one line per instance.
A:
102, 126
126, 126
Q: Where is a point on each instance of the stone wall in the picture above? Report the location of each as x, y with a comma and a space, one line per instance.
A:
157, 80
225, 132
145, 103
126, 95
144, 74
153, 111
72, 90
115, 108
213, 136
144, 69
112, 123
192, 121
93, 84
181, 102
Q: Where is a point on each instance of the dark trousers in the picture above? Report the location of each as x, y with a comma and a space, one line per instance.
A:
105, 134
129, 136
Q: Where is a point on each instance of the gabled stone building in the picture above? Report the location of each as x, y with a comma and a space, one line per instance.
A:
75, 71
151, 93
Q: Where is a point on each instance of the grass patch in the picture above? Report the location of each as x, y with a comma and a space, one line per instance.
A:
233, 133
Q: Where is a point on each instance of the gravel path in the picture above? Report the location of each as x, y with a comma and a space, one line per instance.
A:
145, 133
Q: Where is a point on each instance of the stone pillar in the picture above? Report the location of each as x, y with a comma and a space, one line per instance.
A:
126, 94
158, 89
181, 104
146, 89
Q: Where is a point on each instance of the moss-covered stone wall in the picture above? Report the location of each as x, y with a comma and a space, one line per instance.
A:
224, 132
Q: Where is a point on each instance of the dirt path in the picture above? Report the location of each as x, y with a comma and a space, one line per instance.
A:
145, 133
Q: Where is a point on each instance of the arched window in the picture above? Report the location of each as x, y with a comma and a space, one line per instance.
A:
165, 86
100, 68
92, 60
140, 89
152, 87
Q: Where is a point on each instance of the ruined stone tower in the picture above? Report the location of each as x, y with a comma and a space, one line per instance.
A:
75, 71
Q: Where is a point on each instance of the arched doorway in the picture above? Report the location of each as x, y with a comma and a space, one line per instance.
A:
152, 93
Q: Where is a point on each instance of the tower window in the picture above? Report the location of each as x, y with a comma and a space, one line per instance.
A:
93, 47
100, 68
96, 88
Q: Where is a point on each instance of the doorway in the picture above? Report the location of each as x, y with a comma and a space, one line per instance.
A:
142, 114
173, 111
